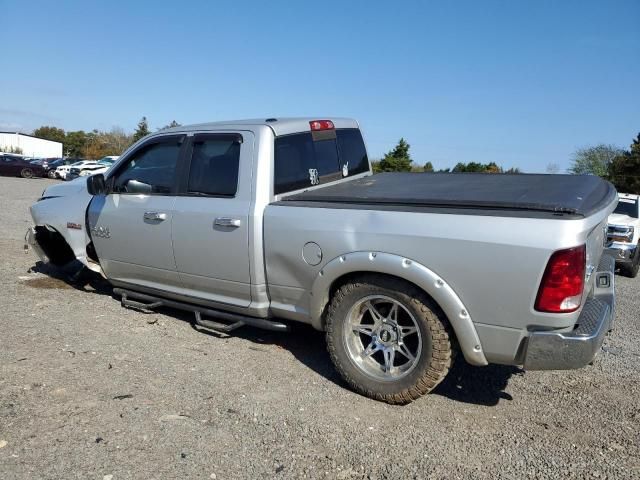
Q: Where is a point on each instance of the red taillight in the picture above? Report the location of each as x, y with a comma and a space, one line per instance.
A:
317, 125
563, 282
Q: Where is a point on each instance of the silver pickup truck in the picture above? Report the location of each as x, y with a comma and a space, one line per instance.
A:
264, 222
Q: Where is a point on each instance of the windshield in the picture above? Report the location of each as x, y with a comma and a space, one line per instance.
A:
77, 164
627, 208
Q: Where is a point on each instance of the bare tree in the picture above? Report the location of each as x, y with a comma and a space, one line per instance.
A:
171, 125
100, 144
117, 140
594, 160
553, 168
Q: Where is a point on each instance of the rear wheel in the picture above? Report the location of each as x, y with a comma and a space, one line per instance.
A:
26, 173
388, 339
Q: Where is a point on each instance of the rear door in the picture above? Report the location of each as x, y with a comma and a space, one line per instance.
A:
211, 218
131, 226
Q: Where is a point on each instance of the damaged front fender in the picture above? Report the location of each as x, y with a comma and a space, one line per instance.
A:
31, 243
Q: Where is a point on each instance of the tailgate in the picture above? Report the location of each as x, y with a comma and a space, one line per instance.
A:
596, 241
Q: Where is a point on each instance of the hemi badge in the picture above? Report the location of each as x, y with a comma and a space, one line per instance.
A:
75, 226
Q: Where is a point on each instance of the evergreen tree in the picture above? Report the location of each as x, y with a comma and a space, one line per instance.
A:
397, 160
142, 130
624, 170
428, 167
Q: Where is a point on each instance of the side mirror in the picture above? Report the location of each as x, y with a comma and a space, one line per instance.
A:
96, 184
135, 186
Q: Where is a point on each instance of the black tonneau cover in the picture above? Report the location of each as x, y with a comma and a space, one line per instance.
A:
580, 195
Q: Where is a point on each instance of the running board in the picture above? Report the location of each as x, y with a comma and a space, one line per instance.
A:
149, 302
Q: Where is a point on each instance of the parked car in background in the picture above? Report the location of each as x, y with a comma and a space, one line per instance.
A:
68, 161
101, 166
63, 171
17, 166
623, 233
47, 164
59, 162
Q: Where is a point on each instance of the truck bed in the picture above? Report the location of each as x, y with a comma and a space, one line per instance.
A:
511, 194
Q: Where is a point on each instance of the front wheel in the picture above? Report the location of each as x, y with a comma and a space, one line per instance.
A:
51, 174
26, 173
632, 269
388, 339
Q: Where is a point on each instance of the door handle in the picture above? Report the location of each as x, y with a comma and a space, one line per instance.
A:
227, 222
157, 216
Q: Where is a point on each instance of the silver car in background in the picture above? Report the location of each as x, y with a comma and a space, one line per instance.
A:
100, 166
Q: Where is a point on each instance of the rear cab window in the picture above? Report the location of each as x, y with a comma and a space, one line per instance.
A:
302, 160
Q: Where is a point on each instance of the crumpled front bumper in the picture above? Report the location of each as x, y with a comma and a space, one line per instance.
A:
550, 350
30, 242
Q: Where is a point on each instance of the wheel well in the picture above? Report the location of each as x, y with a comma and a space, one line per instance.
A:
54, 246
352, 276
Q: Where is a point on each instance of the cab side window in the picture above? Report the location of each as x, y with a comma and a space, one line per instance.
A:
151, 170
214, 167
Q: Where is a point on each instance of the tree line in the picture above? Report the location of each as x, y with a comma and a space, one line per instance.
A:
621, 167
96, 144
399, 160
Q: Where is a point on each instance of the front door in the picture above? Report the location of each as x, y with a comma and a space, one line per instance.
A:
211, 219
131, 225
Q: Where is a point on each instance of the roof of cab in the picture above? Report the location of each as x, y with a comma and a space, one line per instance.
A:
280, 126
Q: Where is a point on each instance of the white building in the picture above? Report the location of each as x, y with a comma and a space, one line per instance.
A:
31, 146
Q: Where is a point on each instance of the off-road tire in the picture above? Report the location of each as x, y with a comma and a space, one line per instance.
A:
434, 361
26, 173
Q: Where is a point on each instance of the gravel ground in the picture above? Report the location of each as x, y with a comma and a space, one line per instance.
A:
89, 389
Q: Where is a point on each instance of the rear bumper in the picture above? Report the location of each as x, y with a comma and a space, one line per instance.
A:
550, 350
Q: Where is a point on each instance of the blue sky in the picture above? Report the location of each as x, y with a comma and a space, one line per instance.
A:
521, 83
